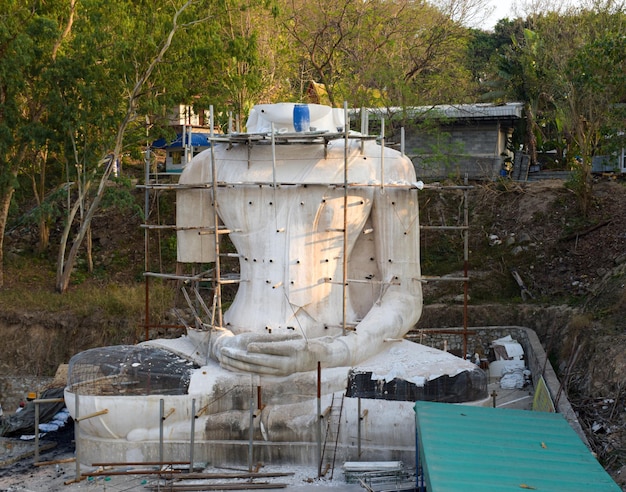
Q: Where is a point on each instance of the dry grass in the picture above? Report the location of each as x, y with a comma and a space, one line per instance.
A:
29, 286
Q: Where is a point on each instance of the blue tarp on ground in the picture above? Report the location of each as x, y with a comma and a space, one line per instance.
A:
464, 448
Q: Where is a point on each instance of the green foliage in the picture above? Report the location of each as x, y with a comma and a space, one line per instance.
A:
50, 209
169, 248
377, 53
570, 70
122, 196
441, 254
580, 183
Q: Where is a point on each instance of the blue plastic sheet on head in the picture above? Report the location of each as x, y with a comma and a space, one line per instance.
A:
301, 118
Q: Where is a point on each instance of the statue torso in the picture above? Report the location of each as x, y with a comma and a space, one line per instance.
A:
287, 225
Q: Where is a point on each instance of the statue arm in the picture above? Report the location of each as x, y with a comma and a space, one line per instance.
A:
394, 313
399, 306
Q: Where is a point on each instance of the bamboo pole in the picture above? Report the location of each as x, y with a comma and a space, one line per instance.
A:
77, 436
465, 265
161, 420
217, 272
54, 462
92, 415
345, 222
319, 420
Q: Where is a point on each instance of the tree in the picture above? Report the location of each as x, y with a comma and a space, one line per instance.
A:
379, 52
520, 75
484, 51
586, 55
567, 66
322, 31
233, 49
592, 84
78, 78
30, 42
144, 69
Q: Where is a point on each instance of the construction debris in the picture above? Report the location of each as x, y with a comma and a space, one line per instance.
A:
379, 476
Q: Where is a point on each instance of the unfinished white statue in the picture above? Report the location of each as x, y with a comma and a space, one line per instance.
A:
284, 206
327, 234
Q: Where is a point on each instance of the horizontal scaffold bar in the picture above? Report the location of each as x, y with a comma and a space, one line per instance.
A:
225, 279
361, 281
200, 229
271, 184
171, 276
426, 278
444, 228
289, 137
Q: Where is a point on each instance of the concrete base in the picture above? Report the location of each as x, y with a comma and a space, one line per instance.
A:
220, 453
385, 431
233, 417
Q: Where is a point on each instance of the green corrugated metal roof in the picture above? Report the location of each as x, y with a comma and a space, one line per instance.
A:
464, 449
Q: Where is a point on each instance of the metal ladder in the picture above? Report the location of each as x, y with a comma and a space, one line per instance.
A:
331, 437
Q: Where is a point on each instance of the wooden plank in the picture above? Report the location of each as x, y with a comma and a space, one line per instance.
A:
132, 472
55, 462
188, 476
217, 486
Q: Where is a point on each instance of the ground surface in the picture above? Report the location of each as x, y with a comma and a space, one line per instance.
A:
57, 471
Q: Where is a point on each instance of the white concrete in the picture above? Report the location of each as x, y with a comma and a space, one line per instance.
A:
284, 428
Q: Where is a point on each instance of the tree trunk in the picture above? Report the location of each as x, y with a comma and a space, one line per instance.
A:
65, 268
531, 138
66, 233
44, 234
5, 202
39, 191
89, 250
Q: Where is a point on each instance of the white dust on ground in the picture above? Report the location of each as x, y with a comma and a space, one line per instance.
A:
61, 477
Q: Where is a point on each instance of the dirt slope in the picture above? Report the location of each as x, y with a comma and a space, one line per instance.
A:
566, 259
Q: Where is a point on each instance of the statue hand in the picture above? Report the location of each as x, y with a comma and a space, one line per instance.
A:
280, 355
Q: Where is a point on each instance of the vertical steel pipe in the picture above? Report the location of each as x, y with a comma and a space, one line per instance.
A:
319, 419
251, 436
345, 221
192, 440
358, 429
77, 435
36, 431
161, 420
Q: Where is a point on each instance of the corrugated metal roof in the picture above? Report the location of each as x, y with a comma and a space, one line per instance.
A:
463, 448
471, 111
511, 110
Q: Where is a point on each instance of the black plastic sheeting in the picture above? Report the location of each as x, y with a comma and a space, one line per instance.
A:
463, 387
129, 370
23, 422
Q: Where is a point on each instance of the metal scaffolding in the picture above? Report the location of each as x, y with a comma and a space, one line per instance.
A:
157, 183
